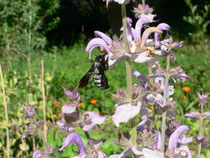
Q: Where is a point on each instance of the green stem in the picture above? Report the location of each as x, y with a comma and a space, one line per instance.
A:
128, 75
200, 132
127, 60
150, 72
163, 126
90, 142
44, 141
6, 112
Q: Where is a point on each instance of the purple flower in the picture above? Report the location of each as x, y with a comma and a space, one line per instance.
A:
95, 153
128, 108
124, 112
178, 74
69, 122
142, 123
32, 128
193, 115
148, 153
28, 131
96, 42
30, 112
183, 150
142, 79
118, 1
74, 98
158, 140
139, 26
185, 140
162, 27
102, 35
121, 95
90, 119
38, 153
207, 115
175, 73
144, 11
203, 98
175, 136
43, 154
87, 121
74, 138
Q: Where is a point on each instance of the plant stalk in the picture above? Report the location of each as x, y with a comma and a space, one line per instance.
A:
44, 141
200, 134
44, 100
128, 74
163, 126
150, 79
6, 112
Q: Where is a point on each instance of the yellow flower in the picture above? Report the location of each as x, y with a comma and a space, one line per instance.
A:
184, 97
59, 115
93, 101
80, 104
186, 89
152, 107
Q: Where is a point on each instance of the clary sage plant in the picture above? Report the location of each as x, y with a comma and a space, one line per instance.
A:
138, 43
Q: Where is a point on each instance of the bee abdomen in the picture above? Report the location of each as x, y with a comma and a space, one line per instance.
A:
100, 81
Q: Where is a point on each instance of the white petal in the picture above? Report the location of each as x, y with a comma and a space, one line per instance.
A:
148, 153
125, 112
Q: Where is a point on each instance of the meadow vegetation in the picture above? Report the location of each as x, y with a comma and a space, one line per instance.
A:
33, 74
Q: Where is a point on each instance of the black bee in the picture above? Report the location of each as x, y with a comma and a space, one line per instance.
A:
97, 71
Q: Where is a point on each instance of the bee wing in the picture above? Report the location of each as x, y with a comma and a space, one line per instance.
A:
85, 79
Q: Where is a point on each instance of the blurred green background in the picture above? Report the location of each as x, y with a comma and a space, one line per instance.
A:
56, 32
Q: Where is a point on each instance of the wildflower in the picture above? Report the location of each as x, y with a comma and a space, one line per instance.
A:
184, 97
144, 11
57, 105
30, 112
144, 122
90, 119
203, 98
93, 101
197, 115
152, 107
140, 49
142, 79
186, 89
127, 108
47, 154
80, 104
74, 98
32, 128
118, 1
175, 73
51, 95
87, 121
173, 148
75, 138
167, 46
59, 115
